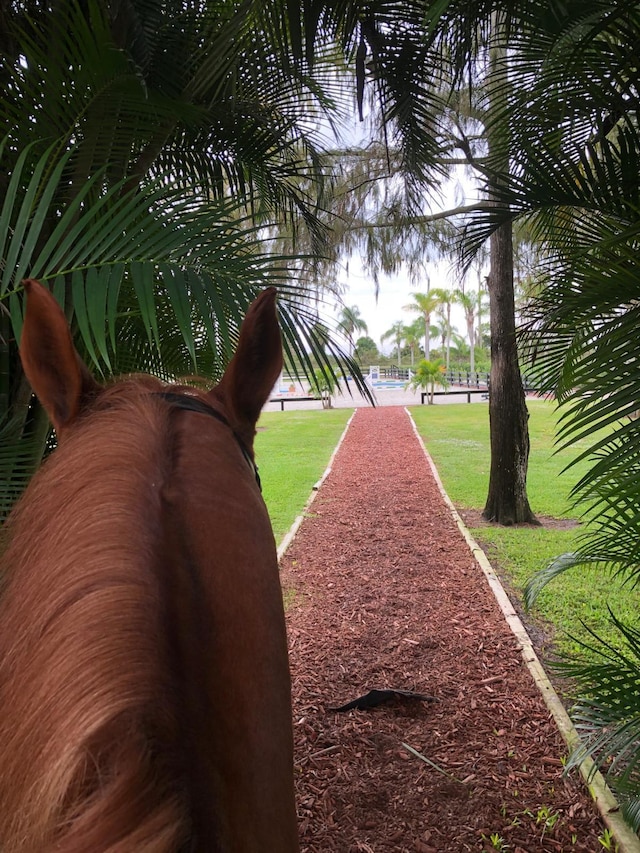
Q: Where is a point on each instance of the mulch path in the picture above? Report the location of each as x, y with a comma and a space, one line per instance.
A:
387, 595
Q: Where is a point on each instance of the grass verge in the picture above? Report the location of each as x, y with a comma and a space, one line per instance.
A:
457, 437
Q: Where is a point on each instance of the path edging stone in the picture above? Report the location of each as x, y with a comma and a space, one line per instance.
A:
607, 804
290, 535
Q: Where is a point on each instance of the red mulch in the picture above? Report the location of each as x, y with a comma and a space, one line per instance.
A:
387, 595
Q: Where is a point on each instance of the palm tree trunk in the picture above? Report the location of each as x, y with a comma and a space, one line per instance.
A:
507, 501
472, 349
479, 326
448, 359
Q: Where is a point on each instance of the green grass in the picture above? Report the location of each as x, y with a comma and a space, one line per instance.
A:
293, 449
457, 437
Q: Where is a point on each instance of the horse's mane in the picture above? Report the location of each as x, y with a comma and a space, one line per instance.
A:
82, 562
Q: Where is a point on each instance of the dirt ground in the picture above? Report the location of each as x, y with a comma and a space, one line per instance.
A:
386, 595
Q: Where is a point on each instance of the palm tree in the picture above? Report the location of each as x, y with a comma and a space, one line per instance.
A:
459, 343
468, 41
323, 386
443, 331
429, 374
396, 333
412, 334
424, 304
351, 321
469, 302
446, 300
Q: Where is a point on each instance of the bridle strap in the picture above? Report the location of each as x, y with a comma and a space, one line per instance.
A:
191, 403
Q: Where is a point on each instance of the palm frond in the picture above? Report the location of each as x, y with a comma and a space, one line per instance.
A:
19, 458
607, 713
201, 258
537, 582
238, 120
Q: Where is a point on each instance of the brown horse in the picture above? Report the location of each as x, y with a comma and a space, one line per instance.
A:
144, 682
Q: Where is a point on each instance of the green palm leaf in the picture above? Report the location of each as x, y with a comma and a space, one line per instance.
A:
19, 458
203, 255
607, 714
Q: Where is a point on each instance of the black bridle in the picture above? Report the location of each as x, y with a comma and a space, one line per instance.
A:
191, 403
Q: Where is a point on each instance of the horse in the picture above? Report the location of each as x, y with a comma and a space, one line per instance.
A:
145, 697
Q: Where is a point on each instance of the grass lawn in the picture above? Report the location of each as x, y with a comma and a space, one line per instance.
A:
293, 449
457, 437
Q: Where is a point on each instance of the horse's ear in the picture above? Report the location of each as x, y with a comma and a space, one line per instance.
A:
54, 369
253, 370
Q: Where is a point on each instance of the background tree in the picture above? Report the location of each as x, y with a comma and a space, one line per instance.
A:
350, 321
459, 344
444, 310
469, 300
443, 331
395, 333
424, 304
428, 374
507, 500
469, 42
324, 387
412, 334
452, 108
367, 351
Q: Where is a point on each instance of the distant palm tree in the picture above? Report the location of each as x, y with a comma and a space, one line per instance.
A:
350, 321
324, 386
397, 334
444, 309
469, 303
442, 330
429, 374
458, 343
412, 336
424, 304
